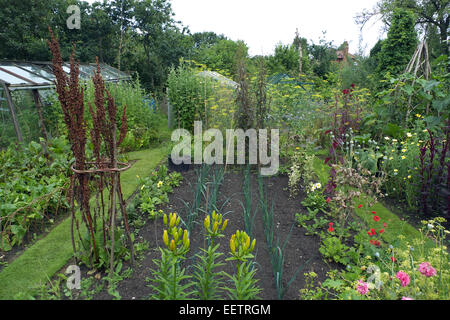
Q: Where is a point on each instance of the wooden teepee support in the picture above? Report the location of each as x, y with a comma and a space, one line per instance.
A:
417, 66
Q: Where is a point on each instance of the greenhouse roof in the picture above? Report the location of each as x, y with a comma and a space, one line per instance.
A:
217, 76
33, 75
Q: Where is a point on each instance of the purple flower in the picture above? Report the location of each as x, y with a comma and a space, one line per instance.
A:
407, 298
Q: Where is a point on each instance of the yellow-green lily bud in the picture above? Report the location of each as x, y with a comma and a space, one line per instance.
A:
185, 236
232, 244
166, 238
172, 245
247, 242
224, 224
215, 226
177, 222
165, 219
187, 243
252, 247
180, 232
207, 222
173, 219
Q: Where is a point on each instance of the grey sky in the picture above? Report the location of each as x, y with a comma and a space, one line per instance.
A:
264, 23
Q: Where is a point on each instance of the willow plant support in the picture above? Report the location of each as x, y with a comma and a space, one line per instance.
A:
104, 171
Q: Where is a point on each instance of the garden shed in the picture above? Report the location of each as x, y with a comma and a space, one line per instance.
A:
27, 87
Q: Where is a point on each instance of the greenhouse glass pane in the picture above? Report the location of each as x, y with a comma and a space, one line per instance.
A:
26, 75
38, 70
6, 77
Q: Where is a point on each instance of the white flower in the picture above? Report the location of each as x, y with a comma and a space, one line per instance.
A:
409, 135
387, 138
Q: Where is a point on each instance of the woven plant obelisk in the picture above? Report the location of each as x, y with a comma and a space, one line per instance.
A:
102, 174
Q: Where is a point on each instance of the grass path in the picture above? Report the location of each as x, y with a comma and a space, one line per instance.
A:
47, 256
395, 226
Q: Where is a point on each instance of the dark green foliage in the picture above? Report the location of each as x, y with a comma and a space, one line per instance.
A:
396, 51
187, 95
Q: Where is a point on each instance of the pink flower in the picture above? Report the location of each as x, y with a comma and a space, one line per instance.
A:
362, 287
403, 277
426, 269
407, 298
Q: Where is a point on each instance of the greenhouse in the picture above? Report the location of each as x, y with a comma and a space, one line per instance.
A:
27, 87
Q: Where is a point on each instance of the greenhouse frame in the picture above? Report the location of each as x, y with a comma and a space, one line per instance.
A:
38, 78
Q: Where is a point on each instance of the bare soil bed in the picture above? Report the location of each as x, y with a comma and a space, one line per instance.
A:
301, 250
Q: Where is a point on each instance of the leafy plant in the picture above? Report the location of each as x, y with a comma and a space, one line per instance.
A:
169, 276
244, 281
208, 281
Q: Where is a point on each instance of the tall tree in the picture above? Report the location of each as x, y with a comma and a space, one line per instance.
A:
428, 13
397, 49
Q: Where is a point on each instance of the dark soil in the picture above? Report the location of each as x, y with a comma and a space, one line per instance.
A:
300, 251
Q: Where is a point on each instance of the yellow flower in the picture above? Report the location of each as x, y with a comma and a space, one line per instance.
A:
403, 157
395, 170
391, 158
409, 177
404, 150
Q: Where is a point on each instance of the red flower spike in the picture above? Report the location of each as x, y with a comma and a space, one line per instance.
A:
328, 200
360, 206
374, 212
381, 231
376, 218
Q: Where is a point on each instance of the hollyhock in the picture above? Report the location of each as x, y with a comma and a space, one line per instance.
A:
403, 277
426, 269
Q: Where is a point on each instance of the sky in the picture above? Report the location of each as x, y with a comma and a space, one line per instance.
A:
262, 24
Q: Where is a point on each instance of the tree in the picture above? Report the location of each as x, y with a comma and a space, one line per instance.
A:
428, 13
221, 56
284, 60
397, 49
206, 39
